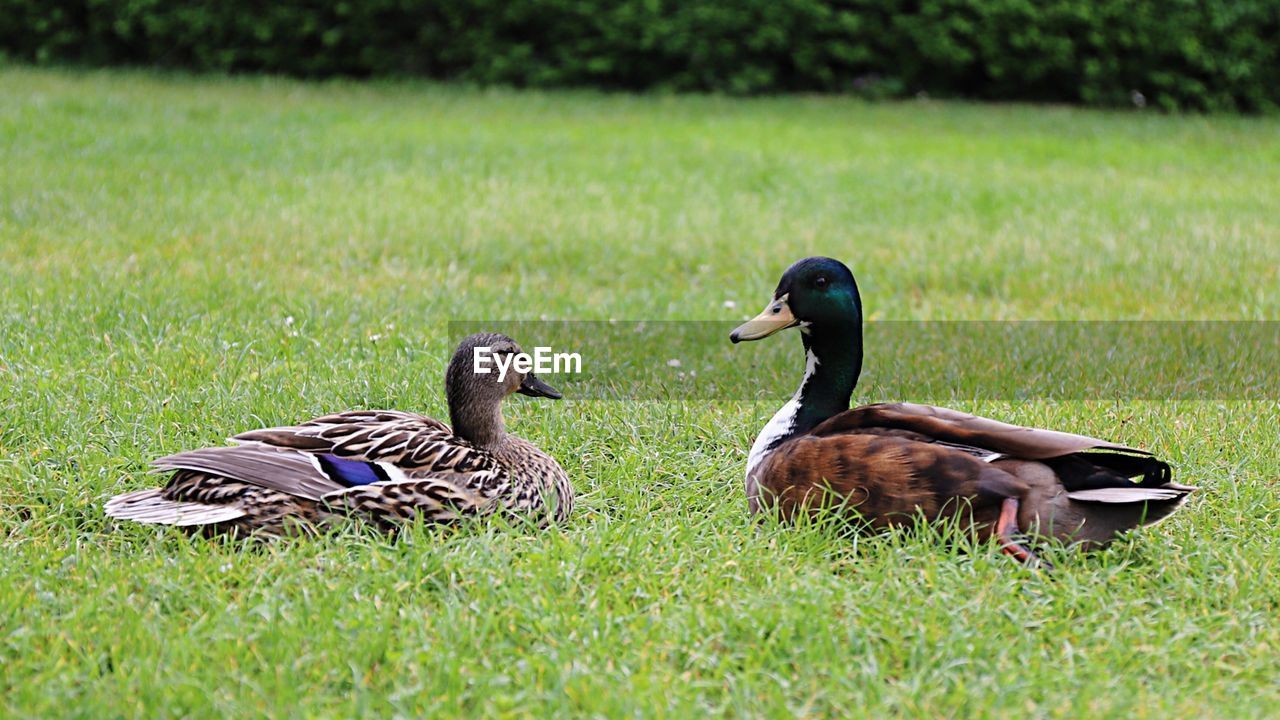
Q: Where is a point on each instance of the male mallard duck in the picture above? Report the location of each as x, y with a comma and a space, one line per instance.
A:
889, 462
382, 465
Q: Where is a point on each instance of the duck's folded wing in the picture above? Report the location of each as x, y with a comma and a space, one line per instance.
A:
407, 440
962, 429
274, 468
395, 446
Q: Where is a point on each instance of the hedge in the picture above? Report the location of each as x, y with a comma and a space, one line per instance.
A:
1174, 54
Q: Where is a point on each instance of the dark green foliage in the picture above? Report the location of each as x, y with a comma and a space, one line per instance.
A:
1190, 54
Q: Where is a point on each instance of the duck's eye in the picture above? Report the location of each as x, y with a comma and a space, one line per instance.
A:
820, 283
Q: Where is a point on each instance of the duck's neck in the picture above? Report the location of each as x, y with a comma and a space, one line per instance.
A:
833, 361
477, 420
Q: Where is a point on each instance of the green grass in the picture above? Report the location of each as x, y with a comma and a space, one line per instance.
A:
157, 231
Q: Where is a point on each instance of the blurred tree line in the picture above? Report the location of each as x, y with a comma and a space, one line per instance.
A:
1172, 54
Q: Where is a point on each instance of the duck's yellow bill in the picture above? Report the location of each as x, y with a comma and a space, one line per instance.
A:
777, 316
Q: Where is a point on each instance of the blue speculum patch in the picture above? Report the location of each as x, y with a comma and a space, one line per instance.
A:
351, 472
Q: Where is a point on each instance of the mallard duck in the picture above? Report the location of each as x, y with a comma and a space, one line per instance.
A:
888, 463
384, 466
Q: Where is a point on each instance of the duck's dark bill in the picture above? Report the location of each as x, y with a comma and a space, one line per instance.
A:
534, 387
777, 316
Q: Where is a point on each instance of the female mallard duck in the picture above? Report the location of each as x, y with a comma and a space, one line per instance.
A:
381, 465
890, 462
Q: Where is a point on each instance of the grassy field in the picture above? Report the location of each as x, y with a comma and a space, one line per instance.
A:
183, 258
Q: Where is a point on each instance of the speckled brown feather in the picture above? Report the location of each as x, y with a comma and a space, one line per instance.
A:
431, 500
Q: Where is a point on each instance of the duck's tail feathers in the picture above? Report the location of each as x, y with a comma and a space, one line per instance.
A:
148, 506
1121, 495
1150, 504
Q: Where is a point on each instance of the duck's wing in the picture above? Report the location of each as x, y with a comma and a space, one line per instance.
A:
334, 452
383, 434
394, 466
374, 447
1088, 468
945, 426
267, 466
414, 444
